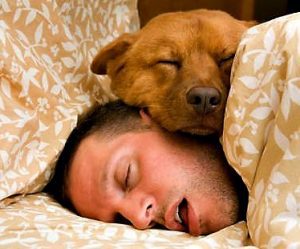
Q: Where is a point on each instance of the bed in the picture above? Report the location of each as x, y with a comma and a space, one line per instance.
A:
45, 51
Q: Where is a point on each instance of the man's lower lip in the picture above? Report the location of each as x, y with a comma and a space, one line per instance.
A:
193, 222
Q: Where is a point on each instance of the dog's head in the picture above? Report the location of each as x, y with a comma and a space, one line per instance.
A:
177, 67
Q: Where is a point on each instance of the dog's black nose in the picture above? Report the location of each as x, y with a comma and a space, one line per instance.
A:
203, 99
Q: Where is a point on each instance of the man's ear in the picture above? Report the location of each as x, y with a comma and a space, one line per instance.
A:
112, 51
146, 119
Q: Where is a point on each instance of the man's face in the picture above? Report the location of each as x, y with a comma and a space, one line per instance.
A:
149, 178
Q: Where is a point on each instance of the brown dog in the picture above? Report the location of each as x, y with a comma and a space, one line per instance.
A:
177, 67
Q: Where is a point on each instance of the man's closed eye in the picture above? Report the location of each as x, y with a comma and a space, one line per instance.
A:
127, 178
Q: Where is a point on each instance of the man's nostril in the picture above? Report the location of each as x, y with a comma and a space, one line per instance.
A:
148, 210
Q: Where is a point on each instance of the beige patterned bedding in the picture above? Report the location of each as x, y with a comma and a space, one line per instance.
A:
45, 51
36, 221
262, 130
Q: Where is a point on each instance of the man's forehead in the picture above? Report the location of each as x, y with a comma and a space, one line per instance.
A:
93, 165
85, 166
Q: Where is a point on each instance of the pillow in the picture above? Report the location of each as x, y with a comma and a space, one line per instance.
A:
45, 82
37, 221
262, 130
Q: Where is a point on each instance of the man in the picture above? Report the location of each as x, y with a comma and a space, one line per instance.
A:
119, 166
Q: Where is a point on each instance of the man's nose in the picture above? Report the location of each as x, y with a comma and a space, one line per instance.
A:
139, 209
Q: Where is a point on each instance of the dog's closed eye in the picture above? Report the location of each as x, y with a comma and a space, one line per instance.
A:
226, 59
172, 63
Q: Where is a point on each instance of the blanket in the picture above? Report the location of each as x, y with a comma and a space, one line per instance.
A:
262, 130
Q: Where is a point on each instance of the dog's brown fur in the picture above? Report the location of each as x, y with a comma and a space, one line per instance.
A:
157, 66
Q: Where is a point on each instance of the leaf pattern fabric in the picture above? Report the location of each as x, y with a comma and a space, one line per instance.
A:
36, 221
45, 51
262, 130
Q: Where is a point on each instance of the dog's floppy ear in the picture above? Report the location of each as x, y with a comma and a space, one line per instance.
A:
111, 51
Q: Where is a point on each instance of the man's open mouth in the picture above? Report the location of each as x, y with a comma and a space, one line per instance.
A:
185, 215
181, 214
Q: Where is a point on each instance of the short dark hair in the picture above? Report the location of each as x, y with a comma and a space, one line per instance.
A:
109, 120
